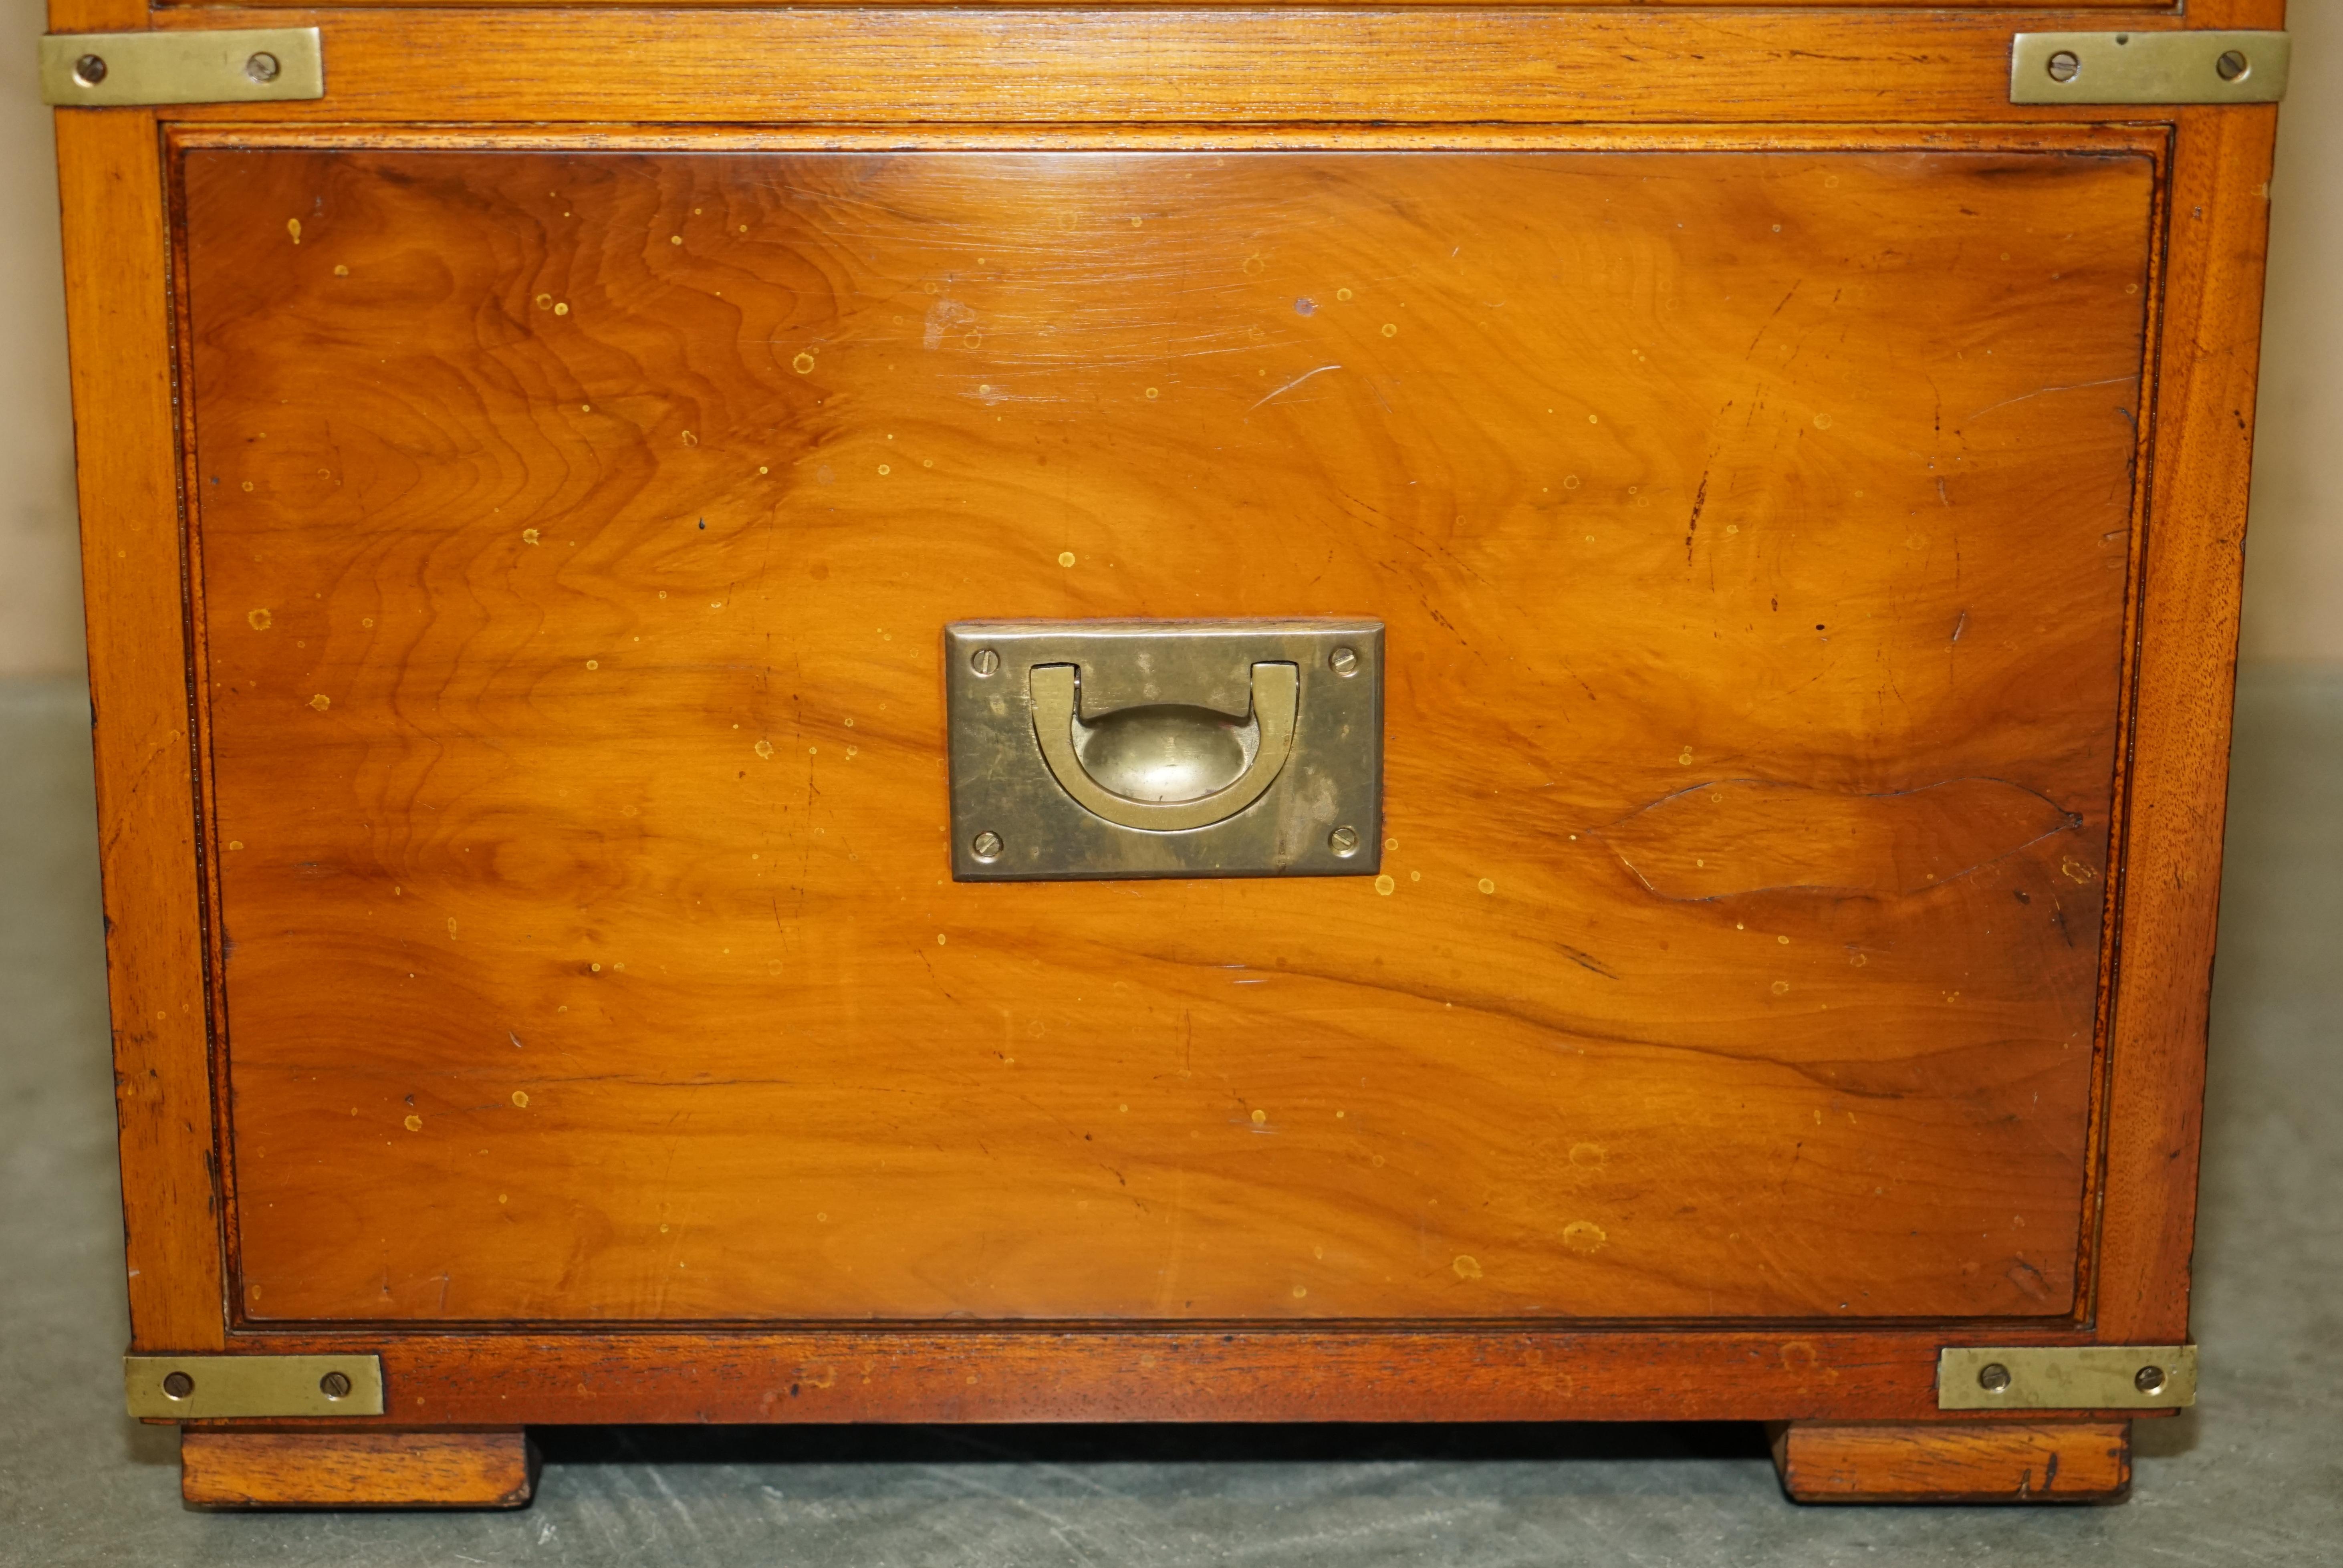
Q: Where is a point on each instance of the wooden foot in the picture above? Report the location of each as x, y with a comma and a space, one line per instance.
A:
308, 1467
1954, 1462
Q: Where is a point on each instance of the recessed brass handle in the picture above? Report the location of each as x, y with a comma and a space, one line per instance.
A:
1168, 746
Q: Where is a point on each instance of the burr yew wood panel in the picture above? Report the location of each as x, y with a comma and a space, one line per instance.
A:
572, 537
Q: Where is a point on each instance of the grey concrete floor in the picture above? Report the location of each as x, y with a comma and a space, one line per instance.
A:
2253, 1475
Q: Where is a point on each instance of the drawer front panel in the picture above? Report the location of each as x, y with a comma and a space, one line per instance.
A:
575, 532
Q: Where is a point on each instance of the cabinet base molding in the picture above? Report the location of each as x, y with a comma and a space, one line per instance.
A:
1954, 1462
255, 1467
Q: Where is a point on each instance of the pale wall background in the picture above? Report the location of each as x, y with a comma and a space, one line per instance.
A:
2294, 565
2294, 538
40, 578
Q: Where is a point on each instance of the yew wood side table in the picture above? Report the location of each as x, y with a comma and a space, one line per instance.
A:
1243, 713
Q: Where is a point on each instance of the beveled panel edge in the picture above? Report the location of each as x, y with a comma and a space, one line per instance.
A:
2143, 7
2114, 139
2149, 140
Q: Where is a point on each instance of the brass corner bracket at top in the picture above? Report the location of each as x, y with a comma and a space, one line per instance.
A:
225, 1387
191, 66
2183, 65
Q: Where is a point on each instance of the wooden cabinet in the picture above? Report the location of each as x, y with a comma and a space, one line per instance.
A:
524, 492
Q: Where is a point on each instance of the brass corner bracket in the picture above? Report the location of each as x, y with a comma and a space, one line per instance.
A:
211, 1388
2190, 66
2066, 1377
197, 66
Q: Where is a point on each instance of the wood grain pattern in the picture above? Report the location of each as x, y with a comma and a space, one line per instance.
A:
2135, 6
2049, 1461
2210, 351
118, 321
955, 65
369, 1468
2237, 13
98, 15
976, 1371
526, 479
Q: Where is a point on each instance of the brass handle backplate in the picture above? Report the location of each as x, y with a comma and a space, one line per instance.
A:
1164, 748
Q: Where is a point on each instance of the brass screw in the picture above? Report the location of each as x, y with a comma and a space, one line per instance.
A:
1344, 841
984, 661
1343, 661
2064, 66
2233, 65
1993, 1377
90, 70
178, 1385
987, 845
263, 67
2148, 1379
335, 1385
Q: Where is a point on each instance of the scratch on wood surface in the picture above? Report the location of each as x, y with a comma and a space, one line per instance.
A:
1297, 381
1588, 962
1769, 319
2045, 391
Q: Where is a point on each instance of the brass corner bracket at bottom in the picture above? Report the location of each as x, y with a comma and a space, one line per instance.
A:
223, 1387
2066, 1377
